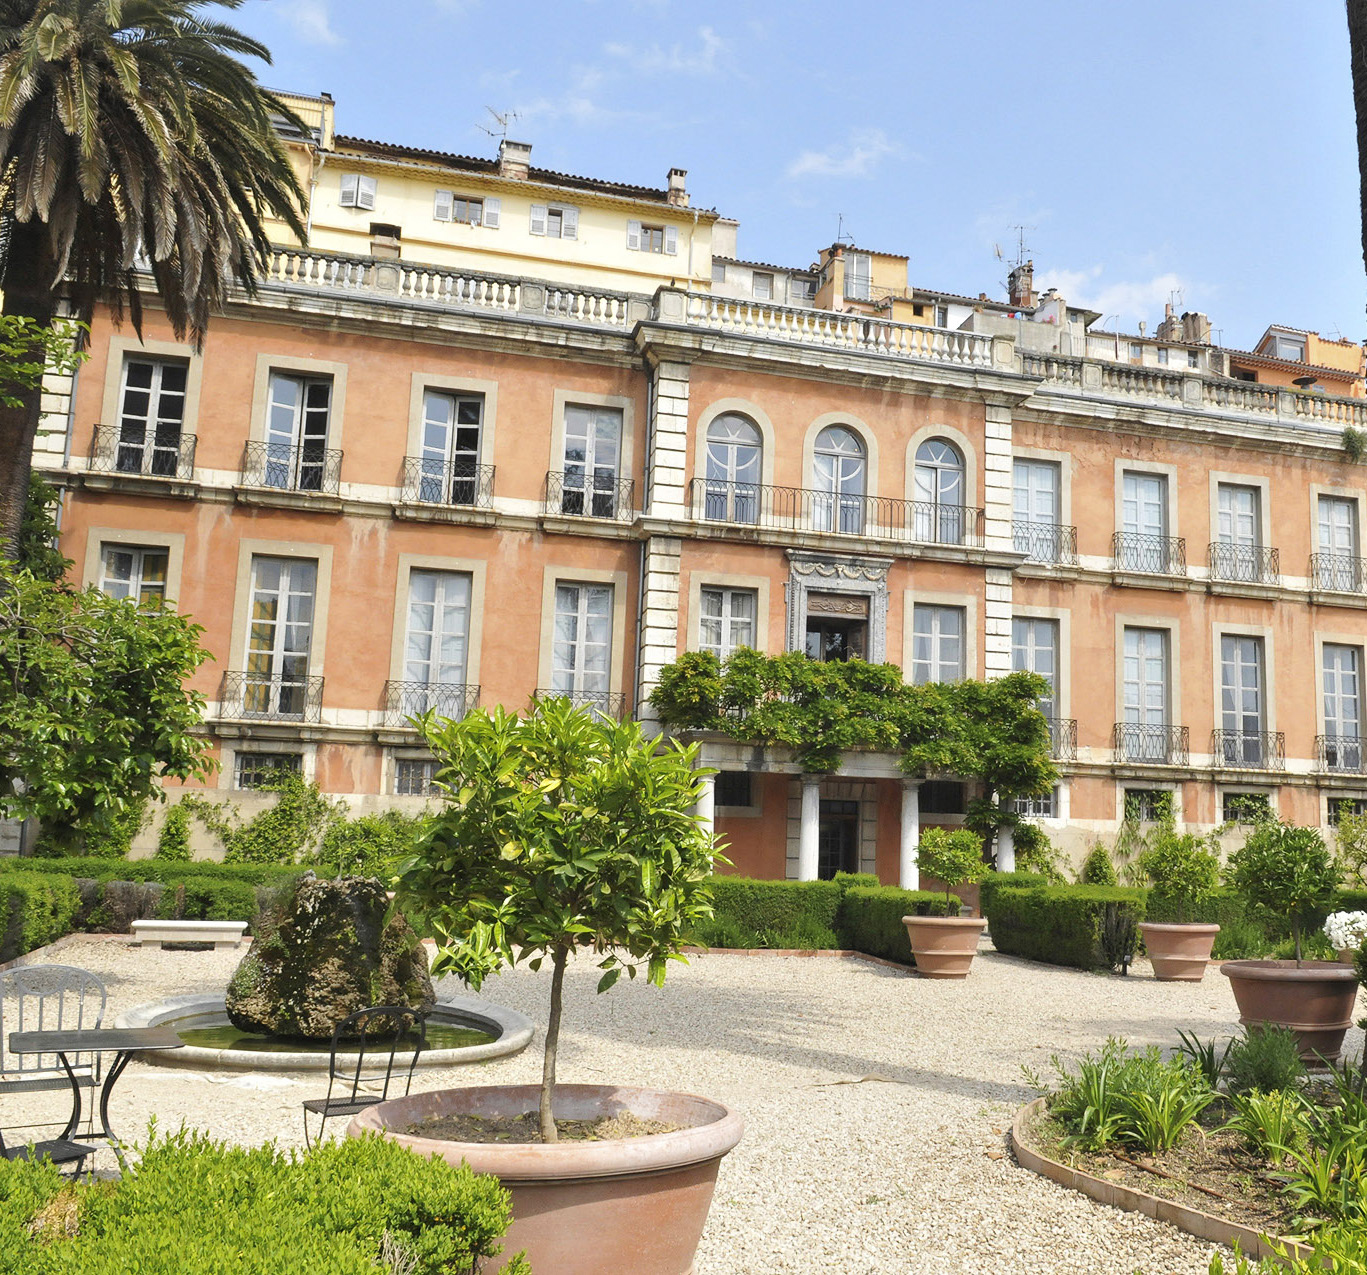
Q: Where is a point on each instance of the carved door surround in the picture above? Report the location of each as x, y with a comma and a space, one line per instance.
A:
856, 585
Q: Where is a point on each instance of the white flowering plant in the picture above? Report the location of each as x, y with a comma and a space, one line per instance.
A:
1346, 930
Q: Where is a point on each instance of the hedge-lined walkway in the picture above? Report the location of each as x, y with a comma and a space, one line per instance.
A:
875, 1102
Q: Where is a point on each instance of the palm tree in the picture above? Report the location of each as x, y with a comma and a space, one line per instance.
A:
1357, 49
132, 139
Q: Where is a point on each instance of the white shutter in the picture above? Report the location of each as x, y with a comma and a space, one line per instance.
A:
492, 208
569, 226
538, 219
365, 192
442, 204
672, 240
634, 235
349, 183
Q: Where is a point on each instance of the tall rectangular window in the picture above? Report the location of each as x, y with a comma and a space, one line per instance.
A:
438, 639
762, 286
1339, 564
1145, 734
1241, 700
1239, 533
297, 431
593, 450
1034, 649
728, 620
1144, 527
581, 654
1342, 670
132, 571
449, 465
937, 644
151, 417
858, 276
279, 637
1036, 509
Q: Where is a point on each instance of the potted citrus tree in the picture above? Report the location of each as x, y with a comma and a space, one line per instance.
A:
562, 835
1289, 872
1185, 872
944, 946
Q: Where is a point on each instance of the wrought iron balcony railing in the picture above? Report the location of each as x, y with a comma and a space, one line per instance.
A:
1249, 749
604, 702
403, 700
311, 467
1154, 745
1047, 542
1149, 555
582, 495
434, 482
1338, 571
840, 513
167, 453
1063, 738
257, 697
1341, 754
1244, 564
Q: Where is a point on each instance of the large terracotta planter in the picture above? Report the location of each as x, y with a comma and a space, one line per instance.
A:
944, 946
1315, 1000
631, 1207
1179, 952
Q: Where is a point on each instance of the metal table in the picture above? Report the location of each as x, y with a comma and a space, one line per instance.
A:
122, 1042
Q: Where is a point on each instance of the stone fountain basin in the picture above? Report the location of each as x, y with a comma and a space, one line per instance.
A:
512, 1032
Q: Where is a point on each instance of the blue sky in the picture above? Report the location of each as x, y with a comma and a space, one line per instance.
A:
1203, 149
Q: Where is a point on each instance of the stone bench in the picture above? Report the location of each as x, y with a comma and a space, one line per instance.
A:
219, 933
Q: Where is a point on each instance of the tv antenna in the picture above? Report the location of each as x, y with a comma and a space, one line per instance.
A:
1177, 298
841, 234
501, 121
1022, 251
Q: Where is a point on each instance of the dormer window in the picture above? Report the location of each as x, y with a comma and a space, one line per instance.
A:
358, 191
1290, 348
465, 210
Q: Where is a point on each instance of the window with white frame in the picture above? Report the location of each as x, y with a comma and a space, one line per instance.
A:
1338, 565
133, 571
762, 286
555, 221
1034, 649
151, 416
1241, 701
256, 770
1162, 356
839, 473
1238, 529
581, 652
1144, 676
448, 469
735, 450
1036, 509
415, 776
939, 486
437, 641
727, 620
858, 276
1341, 668
937, 644
642, 237
593, 451
297, 431
1144, 527
1039, 806
358, 191
1193, 359
466, 210
279, 636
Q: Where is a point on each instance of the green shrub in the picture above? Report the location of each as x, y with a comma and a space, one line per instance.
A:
1097, 868
1183, 869
1062, 925
750, 913
1265, 1058
198, 1205
995, 881
36, 908
369, 846
153, 869
173, 839
1036, 853
199, 898
1289, 872
870, 918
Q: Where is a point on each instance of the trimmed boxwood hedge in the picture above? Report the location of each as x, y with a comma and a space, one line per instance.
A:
1062, 925
871, 918
1009, 880
36, 908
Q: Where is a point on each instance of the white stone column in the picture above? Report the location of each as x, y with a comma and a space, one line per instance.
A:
807, 859
705, 810
658, 640
1006, 848
909, 872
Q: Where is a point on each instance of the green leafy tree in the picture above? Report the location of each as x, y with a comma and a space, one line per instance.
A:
93, 707
955, 857
130, 132
38, 553
560, 831
1183, 868
1286, 870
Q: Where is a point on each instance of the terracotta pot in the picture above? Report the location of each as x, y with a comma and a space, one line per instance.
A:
1179, 952
1315, 1000
944, 946
630, 1207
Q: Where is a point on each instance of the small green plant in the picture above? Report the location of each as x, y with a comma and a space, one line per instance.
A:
1183, 869
173, 840
1287, 871
1354, 443
1273, 1125
1097, 868
1206, 1056
1265, 1058
1350, 847
1036, 853
954, 857
1330, 1181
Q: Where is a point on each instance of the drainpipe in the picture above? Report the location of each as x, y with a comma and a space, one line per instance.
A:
317, 158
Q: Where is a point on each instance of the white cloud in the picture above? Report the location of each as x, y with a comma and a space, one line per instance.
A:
1128, 300
857, 157
311, 21
676, 60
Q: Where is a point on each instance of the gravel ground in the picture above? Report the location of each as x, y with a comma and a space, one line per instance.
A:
876, 1103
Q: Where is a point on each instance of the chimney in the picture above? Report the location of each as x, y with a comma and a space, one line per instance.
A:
514, 158
678, 196
1020, 284
1171, 327
1195, 328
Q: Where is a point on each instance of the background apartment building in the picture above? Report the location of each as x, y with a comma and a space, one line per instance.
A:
499, 431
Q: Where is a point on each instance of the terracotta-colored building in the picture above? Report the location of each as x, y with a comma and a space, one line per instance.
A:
500, 430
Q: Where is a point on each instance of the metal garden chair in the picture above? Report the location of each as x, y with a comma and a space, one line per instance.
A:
367, 1048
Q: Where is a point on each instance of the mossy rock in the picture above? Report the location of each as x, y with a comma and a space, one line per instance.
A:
324, 952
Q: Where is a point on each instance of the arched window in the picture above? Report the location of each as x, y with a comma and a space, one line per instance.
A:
940, 513
839, 470
731, 492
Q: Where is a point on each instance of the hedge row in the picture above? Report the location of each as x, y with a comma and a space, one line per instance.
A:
167, 871
1082, 926
36, 908
871, 918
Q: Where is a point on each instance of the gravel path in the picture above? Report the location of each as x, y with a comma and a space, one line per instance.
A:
876, 1103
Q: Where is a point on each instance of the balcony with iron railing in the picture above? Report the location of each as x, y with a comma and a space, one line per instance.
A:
256, 697
403, 700
576, 494
1338, 573
1249, 750
1341, 754
806, 509
1047, 543
1149, 555
167, 453
1151, 745
604, 703
1244, 564
310, 468
461, 483
1062, 738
